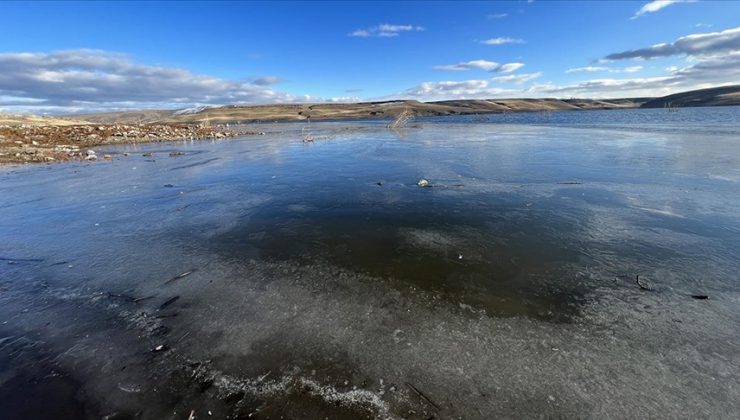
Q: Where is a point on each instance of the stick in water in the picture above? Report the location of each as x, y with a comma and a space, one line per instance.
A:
179, 276
421, 394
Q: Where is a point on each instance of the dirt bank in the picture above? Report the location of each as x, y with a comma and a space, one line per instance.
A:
26, 143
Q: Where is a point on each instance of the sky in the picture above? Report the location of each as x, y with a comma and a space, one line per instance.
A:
71, 57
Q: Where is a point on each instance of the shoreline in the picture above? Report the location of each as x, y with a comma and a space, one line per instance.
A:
33, 139
248, 113
20, 144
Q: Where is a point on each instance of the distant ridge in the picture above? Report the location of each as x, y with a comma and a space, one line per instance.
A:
721, 96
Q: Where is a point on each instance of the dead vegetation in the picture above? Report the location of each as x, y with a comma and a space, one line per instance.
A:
402, 119
40, 120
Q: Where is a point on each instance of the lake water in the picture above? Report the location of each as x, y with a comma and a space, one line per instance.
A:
556, 267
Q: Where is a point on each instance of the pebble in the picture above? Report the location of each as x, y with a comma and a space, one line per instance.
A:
161, 347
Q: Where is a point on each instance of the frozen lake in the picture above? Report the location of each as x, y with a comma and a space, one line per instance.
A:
556, 267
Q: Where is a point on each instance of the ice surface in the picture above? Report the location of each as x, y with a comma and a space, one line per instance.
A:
505, 290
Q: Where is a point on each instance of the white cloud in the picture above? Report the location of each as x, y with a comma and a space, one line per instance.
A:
485, 65
470, 65
502, 41
465, 89
345, 99
609, 88
721, 68
82, 80
510, 67
497, 15
594, 69
691, 45
517, 78
453, 90
385, 30
656, 5
587, 69
363, 33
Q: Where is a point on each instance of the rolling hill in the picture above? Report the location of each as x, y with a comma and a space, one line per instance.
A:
721, 96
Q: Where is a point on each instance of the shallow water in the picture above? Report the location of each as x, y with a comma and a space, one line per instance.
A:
508, 288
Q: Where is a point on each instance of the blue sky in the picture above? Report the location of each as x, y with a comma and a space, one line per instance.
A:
73, 57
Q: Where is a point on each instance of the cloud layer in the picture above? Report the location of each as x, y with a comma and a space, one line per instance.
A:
695, 44
454, 90
593, 69
517, 78
83, 79
712, 59
93, 80
485, 65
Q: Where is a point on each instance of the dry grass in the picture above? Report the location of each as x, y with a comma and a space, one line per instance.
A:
240, 114
38, 120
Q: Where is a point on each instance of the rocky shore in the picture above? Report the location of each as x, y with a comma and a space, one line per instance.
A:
50, 143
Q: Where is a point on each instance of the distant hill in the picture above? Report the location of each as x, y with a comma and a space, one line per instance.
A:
727, 95
324, 111
38, 120
719, 96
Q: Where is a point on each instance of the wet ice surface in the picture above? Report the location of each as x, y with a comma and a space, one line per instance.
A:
507, 289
